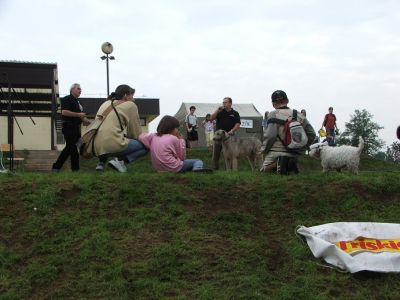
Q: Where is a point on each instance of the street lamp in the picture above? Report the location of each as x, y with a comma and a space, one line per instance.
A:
107, 49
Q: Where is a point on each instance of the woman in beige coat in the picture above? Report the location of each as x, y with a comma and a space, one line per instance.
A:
118, 134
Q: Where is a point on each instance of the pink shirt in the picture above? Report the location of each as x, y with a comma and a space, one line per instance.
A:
167, 151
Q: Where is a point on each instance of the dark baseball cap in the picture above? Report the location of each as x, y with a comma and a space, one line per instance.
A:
278, 95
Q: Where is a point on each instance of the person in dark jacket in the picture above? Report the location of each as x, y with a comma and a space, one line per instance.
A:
72, 116
228, 119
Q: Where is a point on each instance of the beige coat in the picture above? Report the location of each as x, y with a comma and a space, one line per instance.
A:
110, 139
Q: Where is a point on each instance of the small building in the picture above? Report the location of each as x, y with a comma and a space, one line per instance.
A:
149, 109
251, 119
30, 90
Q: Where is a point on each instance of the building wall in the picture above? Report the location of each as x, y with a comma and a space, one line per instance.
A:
35, 137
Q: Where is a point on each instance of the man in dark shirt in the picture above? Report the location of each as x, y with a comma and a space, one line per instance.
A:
228, 119
72, 116
330, 125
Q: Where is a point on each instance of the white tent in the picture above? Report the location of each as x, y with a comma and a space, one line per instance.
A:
250, 117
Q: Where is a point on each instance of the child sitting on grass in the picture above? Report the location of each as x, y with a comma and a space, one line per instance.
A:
168, 149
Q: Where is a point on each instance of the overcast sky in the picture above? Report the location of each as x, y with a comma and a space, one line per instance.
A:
344, 54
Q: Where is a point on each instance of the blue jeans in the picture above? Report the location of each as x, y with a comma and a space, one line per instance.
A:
191, 164
134, 151
330, 133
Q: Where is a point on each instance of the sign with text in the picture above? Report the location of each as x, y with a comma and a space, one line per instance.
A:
246, 123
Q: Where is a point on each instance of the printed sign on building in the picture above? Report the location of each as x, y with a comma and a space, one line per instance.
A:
246, 123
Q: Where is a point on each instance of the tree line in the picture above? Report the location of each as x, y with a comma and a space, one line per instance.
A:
361, 124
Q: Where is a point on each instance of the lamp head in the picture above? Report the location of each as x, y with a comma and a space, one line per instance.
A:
107, 48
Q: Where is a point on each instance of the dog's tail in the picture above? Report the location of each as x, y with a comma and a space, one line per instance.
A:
360, 145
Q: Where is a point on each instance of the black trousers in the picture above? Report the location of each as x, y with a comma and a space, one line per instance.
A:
72, 133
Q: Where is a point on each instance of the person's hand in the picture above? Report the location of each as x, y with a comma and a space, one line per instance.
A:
231, 132
86, 121
81, 115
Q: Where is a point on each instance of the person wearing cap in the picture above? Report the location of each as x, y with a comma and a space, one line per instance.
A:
330, 125
277, 156
227, 119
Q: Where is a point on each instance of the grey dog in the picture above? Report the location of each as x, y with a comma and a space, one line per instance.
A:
235, 147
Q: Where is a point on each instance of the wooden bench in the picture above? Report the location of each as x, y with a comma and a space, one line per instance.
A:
18, 160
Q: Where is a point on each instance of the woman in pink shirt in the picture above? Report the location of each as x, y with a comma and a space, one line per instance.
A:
168, 148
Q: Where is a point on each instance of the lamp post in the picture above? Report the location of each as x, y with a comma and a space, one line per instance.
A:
107, 49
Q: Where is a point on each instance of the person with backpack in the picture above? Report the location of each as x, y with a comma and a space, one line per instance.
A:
330, 125
286, 137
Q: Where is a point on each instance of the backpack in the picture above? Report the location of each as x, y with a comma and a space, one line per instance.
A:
294, 135
86, 142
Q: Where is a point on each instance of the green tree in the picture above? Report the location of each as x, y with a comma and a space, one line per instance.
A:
393, 153
361, 124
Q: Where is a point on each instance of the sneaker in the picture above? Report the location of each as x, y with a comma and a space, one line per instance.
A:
203, 170
100, 166
118, 165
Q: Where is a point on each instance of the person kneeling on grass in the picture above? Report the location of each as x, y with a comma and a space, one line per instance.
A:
168, 149
118, 134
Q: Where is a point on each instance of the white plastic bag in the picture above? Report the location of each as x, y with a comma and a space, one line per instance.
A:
356, 246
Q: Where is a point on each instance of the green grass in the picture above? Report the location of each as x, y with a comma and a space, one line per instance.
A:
148, 235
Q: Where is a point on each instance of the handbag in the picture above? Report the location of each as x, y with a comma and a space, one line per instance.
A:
86, 142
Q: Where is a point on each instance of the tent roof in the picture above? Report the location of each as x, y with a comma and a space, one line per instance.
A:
244, 110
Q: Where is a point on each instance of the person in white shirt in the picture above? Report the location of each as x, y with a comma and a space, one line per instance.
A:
191, 127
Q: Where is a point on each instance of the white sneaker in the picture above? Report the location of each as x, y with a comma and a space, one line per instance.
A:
100, 166
117, 165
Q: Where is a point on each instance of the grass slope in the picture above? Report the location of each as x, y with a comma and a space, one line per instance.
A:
147, 235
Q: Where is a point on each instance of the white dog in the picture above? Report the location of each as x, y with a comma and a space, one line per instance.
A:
234, 148
337, 158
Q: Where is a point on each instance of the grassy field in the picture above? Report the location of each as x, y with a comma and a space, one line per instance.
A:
147, 235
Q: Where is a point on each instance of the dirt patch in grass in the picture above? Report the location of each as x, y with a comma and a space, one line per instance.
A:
69, 191
219, 200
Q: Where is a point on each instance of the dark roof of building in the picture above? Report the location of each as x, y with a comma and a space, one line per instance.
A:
146, 106
27, 74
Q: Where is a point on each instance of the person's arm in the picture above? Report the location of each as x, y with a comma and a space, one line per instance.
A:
335, 124
235, 128
237, 124
310, 132
215, 113
188, 129
179, 147
128, 112
68, 113
270, 136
